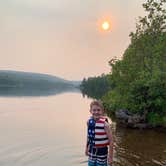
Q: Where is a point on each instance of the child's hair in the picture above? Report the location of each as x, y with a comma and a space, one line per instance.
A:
97, 103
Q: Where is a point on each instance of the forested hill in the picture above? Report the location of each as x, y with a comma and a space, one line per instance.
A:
17, 79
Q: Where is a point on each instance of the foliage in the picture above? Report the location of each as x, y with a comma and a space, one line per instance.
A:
95, 87
155, 119
139, 79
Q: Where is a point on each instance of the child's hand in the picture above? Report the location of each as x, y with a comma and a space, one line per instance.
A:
110, 160
86, 151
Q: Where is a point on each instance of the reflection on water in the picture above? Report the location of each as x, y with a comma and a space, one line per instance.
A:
21, 91
51, 130
140, 147
42, 131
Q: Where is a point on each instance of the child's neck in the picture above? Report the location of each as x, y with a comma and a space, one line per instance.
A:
96, 119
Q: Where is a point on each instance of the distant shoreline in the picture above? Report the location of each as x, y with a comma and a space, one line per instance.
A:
24, 83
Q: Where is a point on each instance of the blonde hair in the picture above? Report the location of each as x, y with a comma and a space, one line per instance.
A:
97, 103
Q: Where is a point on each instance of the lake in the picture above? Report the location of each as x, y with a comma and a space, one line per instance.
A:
51, 131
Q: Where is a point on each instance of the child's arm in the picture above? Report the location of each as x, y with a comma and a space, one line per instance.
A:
110, 137
87, 145
86, 149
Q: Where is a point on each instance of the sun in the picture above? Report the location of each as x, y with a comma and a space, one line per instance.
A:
105, 25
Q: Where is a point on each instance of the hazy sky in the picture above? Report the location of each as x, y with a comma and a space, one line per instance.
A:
62, 37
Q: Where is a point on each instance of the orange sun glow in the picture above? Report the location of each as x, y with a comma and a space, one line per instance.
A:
105, 25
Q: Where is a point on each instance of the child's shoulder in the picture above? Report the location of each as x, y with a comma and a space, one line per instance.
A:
89, 120
108, 121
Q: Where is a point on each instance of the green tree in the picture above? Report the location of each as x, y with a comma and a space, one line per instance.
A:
95, 87
139, 79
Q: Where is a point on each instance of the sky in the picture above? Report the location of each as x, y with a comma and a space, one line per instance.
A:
63, 37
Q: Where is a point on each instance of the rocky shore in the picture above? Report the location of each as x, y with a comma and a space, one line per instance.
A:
136, 121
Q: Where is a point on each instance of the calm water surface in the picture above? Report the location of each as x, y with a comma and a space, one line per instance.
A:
51, 131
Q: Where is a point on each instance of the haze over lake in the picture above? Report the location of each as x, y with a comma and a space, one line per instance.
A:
62, 37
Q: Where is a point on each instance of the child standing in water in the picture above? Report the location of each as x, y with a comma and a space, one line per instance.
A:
99, 145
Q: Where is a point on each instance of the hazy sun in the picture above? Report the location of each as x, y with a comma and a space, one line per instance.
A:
105, 25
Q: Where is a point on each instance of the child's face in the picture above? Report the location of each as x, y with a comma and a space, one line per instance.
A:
96, 111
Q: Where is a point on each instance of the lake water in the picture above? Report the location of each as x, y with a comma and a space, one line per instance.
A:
51, 131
